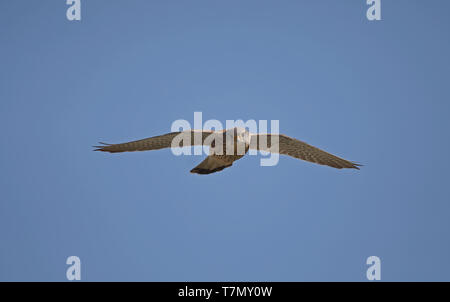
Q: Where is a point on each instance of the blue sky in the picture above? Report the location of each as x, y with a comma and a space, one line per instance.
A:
372, 92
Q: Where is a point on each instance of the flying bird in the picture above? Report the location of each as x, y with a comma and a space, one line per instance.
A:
227, 146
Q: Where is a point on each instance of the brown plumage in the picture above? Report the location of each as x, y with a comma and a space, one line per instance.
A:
227, 146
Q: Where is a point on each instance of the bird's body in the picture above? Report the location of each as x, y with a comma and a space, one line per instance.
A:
227, 146
221, 154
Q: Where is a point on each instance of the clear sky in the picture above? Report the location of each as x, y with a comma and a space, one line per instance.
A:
373, 92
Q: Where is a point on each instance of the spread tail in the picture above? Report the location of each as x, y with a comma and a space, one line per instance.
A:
210, 165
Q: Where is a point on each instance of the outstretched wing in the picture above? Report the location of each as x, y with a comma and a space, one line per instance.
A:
173, 139
298, 149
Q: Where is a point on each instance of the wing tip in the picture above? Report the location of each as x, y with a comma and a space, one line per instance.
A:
356, 166
102, 148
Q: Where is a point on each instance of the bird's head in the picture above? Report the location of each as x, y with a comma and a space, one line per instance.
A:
242, 135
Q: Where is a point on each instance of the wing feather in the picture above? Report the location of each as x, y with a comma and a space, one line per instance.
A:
185, 138
293, 147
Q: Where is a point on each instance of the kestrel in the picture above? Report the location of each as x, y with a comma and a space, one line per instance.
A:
227, 146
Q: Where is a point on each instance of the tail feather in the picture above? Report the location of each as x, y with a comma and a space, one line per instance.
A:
210, 165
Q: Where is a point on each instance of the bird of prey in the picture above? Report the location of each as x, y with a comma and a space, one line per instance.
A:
227, 146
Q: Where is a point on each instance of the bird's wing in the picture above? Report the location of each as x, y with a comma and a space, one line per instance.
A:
298, 149
173, 139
